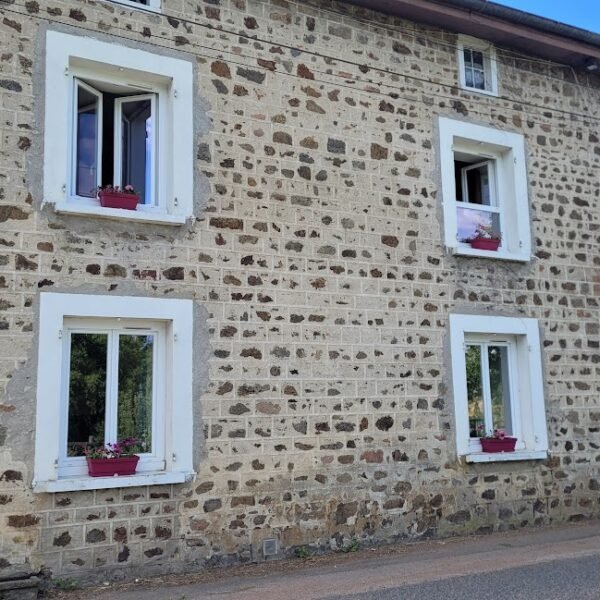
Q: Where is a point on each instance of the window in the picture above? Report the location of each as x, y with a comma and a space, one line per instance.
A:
102, 378
113, 139
477, 65
490, 369
112, 389
151, 4
117, 116
484, 183
497, 382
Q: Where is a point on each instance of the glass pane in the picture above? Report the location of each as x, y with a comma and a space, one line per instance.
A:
134, 415
469, 77
499, 388
467, 57
86, 176
136, 159
87, 391
479, 185
467, 220
475, 391
478, 79
477, 58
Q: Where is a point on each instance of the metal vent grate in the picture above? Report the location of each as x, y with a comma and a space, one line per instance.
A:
270, 547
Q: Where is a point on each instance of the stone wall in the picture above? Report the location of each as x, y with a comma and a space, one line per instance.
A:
320, 261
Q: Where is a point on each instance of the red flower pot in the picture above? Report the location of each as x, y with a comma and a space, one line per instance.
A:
506, 444
112, 199
484, 244
108, 467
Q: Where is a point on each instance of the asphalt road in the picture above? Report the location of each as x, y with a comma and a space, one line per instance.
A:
575, 578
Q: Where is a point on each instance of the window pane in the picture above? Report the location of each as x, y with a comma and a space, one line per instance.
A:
135, 388
479, 185
478, 79
477, 58
467, 220
499, 388
86, 176
475, 391
87, 391
136, 159
469, 77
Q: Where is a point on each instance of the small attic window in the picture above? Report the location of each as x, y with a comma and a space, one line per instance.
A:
477, 66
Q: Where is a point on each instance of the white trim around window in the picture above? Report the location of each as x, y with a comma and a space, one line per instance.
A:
505, 151
120, 74
524, 382
487, 68
152, 5
169, 322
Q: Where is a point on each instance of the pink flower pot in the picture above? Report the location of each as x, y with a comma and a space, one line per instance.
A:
506, 444
113, 199
108, 467
485, 244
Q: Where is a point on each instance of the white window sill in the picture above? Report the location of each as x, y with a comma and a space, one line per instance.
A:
120, 214
485, 457
83, 483
495, 254
478, 91
134, 5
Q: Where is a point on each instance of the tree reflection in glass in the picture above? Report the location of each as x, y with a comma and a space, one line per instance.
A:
475, 391
499, 388
135, 388
87, 391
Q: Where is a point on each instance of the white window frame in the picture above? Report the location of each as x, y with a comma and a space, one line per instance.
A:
60, 311
510, 343
507, 150
149, 462
153, 5
490, 64
118, 143
75, 132
169, 78
526, 387
496, 206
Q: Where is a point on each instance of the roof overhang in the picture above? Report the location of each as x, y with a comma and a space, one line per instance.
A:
507, 27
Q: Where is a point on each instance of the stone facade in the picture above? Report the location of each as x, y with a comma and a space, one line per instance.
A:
320, 261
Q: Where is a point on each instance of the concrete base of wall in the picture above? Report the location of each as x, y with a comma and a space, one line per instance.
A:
25, 588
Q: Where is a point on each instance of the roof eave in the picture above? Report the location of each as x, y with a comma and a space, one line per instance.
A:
530, 34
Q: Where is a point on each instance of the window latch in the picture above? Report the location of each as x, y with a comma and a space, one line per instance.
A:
174, 457
60, 333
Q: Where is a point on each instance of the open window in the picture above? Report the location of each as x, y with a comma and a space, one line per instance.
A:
113, 368
484, 187
117, 116
113, 140
497, 382
476, 195
477, 65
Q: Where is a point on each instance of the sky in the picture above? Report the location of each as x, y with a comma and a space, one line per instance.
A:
580, 13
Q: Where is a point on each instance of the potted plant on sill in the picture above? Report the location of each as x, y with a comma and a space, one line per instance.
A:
113, 459
485, 238
114, 197
498, 442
